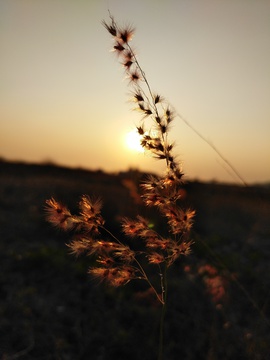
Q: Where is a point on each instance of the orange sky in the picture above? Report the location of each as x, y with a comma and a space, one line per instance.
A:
64, 98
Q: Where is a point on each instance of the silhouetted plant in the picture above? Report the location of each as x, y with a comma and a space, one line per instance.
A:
116, 261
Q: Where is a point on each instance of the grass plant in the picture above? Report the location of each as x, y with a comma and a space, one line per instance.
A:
142, 252
118, 260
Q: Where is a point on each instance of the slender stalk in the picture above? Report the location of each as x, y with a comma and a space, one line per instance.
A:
234, 170
140, 268
112, 235
163, 312
149, 282
152, 103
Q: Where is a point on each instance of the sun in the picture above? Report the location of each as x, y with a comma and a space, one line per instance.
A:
133, 141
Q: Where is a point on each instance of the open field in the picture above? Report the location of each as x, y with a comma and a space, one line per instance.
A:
219, 297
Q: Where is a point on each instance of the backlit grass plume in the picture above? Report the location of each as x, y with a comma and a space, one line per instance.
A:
117, 263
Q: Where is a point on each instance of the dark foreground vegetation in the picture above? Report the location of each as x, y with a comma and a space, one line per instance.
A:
219, 296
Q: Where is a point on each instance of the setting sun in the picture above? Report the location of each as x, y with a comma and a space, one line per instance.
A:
133, 141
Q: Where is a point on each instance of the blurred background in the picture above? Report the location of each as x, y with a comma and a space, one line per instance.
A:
218, 297
64, 97
65, 131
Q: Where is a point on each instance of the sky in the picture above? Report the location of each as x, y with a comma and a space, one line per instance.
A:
64, 97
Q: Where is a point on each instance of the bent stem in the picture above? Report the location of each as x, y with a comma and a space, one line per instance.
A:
142, 271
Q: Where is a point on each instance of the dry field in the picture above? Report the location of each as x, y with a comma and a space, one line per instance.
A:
219, 297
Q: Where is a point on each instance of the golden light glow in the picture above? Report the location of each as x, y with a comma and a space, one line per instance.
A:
133, 141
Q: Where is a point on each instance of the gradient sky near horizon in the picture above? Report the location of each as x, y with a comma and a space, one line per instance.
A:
64, 98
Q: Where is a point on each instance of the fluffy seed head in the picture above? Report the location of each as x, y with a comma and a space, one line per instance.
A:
155, 258
111, 28
118, 47
58, 215
125, 35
